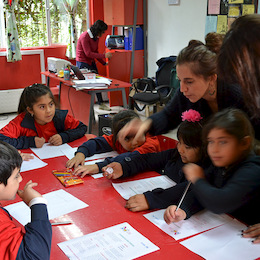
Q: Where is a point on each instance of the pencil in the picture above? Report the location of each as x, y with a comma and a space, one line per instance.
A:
183, 195
61, 223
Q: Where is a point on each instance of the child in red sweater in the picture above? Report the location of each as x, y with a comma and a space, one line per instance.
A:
125, 147
16, 242
39, 122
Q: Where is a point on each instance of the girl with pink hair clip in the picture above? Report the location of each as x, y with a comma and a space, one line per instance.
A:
170, 162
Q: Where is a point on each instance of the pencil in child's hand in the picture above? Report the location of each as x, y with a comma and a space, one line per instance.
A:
183, 196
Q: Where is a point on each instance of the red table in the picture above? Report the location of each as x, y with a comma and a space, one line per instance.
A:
81, 103
106, 208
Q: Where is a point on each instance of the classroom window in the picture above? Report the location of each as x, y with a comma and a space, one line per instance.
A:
32, 24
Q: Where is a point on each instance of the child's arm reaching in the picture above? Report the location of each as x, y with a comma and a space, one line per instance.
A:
171, 215
86, 169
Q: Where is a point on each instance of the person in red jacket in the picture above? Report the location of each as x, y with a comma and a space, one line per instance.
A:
87, 52
33, 241
125, 147
38, 121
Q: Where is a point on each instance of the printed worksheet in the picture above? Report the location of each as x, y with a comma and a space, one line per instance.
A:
32, 164
50, 151
224, 242
131, 188
60, 203
199, 222
117, 242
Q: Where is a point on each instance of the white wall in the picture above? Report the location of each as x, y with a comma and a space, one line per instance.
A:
170, 27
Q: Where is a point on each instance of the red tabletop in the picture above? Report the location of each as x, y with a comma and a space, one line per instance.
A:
114, 84
106, 208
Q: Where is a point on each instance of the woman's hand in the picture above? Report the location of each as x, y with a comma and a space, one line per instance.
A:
117, 170
77, 160
171, 215
253, 232
39, 141
137, 203
86, 169
55, 140
193, 172
135, 128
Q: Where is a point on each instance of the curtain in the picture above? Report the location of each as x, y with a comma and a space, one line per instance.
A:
71, 6
13, 46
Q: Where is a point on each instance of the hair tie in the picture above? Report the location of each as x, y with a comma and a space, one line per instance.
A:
191, 116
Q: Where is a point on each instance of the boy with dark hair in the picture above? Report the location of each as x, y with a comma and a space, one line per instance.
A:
33, 241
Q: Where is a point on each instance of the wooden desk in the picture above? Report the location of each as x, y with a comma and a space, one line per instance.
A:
106, 208
81, 103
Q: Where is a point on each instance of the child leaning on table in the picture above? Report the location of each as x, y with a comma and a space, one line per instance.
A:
39, 122
232, 184
170, 162
33, 241
125, 147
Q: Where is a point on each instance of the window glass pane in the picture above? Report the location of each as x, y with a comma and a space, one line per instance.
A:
32, 24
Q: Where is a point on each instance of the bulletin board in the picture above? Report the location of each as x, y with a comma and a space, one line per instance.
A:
222, 13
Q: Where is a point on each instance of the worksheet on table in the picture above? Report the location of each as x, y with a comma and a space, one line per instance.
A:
32, 164
60, 203
121, 241
131, 188
224, 242
199, 222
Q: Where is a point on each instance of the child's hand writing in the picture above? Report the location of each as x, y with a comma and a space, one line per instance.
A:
39, 141
117, 170
28, 193
78, 159
55, 140
171, 215
86, 169
193, 172
137, 203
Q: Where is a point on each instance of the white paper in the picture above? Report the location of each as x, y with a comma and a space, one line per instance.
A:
224, 242
50, 151
32, 164
199, 222
131, 188
60, 203
116, 242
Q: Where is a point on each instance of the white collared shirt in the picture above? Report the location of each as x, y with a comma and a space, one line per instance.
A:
90, 34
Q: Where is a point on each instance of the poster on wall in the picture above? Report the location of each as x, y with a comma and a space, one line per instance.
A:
222, 13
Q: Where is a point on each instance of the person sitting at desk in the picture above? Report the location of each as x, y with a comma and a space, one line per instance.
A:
16, 242
170, 162
125, 147
39, 122
87, 52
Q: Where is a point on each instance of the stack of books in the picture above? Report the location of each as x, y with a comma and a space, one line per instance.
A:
92, 81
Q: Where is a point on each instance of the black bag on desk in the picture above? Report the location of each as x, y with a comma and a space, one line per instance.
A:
143, 85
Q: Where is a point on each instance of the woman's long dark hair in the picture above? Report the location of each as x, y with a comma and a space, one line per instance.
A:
239, 59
